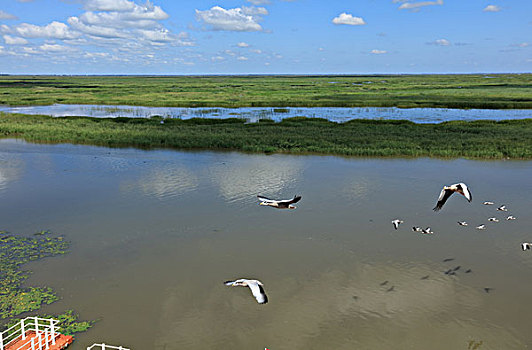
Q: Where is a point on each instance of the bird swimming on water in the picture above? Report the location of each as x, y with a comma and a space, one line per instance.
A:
254, 285
447, 191
279, 204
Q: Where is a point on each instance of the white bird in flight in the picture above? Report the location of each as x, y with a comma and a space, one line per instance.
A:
481, 227
462, 223
254, 285
511, 217
488, 203
502, 208
279, 204
396, 223
526, 246
493, 219
447, 191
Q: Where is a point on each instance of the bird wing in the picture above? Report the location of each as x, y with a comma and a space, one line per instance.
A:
264, 199
290, 201
258, 292
466, 191
444, 195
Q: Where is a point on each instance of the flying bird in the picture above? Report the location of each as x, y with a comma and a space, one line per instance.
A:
396, 223
526, 246
417, 229
279, 204
427, 231
488, 203
447, 191
481, 227
493, 219
511, 217
502, 208
254, 285
462, 223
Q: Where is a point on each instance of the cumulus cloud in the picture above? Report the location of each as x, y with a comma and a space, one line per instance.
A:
440, 42
492, 8
415, 6
242, 58
5, 15
243, 19
242, 44
378, 52
345, 18
54, 30
10, 40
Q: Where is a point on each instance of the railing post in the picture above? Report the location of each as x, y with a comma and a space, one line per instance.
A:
32, 343
52, 330
22, 329
40, 340
36, 325
46, 343
1, 342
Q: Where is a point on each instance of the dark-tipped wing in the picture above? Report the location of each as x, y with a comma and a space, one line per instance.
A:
444, 195
258, 292
295, 200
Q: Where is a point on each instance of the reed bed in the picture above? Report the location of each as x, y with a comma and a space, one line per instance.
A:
366, 138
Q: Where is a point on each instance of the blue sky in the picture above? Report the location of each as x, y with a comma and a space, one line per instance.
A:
264, 36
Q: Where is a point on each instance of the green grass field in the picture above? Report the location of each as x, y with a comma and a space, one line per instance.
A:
496, 91
478, 139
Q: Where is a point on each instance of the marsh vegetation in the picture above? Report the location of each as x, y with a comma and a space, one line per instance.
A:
499, 91
381, 138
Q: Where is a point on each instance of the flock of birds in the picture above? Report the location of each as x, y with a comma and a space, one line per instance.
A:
256, 286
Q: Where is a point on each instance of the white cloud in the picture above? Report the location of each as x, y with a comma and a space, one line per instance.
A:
257, 51
237, 19
440, 42
109, 5
348, 19
5, 15
53, 48
259, 2
378, 52
492, 8
54, 30
242, 44
524, 44
242, 58
217, 58
10, 40
415, 6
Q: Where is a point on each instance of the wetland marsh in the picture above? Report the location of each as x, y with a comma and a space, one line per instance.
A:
155, 233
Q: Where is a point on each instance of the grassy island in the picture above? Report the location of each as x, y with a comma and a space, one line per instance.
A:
383, 138
496, 91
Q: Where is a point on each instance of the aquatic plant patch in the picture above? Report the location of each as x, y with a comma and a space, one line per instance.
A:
15, 251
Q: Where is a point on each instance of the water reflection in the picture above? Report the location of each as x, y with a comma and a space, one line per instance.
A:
243, 179
164, 182
253, 114
155, 233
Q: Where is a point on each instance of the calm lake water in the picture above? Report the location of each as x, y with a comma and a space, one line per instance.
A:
418, 115
156, 233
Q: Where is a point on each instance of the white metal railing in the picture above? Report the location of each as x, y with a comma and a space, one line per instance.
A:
103, 346
46, 330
